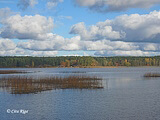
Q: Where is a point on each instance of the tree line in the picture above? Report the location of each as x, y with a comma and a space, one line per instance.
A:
77, 61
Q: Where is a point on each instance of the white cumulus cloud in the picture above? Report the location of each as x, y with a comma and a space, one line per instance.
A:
126, 53
24, 4
53, 3
6, 44
116, 5
5, 12
130, 28
96, 32
27, 27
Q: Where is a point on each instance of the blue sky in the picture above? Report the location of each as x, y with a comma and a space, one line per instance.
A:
79, 27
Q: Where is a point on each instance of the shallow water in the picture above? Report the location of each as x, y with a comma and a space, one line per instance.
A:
127, 95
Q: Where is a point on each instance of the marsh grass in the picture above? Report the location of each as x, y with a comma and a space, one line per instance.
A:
152, 75
12, 72
73, 72
26, 85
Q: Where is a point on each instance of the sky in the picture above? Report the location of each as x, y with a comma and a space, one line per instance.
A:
79, 27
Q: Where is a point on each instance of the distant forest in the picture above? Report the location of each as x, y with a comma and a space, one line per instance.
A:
77, 61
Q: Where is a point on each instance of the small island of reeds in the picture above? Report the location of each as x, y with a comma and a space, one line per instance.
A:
12, 72
152, 75
73, 72
26, 85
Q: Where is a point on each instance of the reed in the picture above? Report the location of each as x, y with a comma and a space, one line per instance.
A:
26, 85
152, 75
73, 72
11, 71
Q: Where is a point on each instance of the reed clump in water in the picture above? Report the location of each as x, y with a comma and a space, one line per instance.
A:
152, 75
11, 72
73, 72
26, 85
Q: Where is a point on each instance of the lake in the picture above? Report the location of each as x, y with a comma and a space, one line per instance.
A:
126, 95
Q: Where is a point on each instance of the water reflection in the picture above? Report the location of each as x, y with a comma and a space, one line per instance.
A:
27, 85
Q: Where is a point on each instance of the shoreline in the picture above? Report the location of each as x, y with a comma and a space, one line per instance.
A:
91, 67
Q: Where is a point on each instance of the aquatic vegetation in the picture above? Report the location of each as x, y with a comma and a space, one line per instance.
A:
26, 85
152, 75
73, 72
12, 71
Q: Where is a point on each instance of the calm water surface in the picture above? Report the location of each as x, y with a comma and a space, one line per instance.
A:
127, 95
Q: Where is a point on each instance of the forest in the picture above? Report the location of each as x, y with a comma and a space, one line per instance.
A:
76, 61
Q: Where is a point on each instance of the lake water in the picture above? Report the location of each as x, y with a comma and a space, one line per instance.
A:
126, 95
